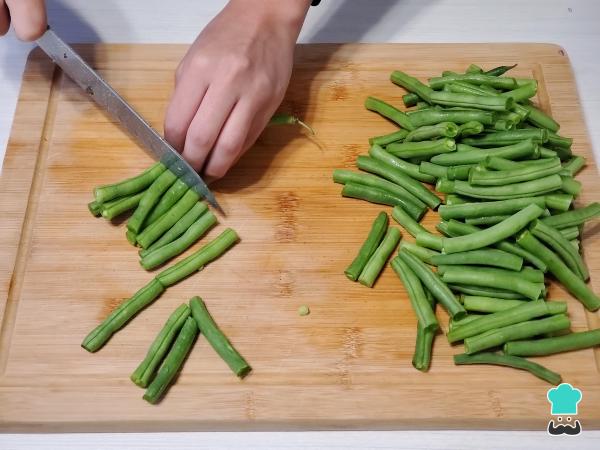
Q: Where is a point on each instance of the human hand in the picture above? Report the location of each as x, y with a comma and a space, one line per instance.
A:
27, 16
232, 80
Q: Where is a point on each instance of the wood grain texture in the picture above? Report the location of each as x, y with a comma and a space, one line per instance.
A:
347, 364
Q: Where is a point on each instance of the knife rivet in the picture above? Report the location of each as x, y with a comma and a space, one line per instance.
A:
64, 55
89, 90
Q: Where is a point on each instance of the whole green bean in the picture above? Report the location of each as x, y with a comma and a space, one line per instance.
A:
574, 165
410, 99
558, 243
379, 258
570, 186
422, 148
431, 116
485, 291
427, 132
149, 199
424, 254
411, 84
538, 135
389, 172
500, 70
434, 284
103, 194
389, 112
386, 139
523, 312
493, 234
503, 177
491, 103
574, 217
482, 209
493, 81
217, 339
173, 361
115, 208
378, 230
521, 149
121, 315
569, 280
494, 278
410, 202
521, 330
169, 198
416, 295
407, 221
489, 304
510, 361
483, 257
412, 170
180, 227
485, 220
163, 254
552, 345
379, 196
197, 260
156, 229
144, 373
541, 119
470, 128
509, 191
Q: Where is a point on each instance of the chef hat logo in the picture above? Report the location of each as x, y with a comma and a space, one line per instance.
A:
564, 399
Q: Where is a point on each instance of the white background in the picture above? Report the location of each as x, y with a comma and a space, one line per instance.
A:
574, 24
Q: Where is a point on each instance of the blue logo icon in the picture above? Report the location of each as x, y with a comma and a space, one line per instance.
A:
564, 400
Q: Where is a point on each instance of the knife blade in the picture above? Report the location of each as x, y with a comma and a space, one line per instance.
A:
98, 89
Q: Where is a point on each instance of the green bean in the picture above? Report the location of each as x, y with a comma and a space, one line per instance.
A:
217, 339
470, 128
421, 149
197, 260
561, 202
378, 229
498, 336
389, 172
423, 346
460, 172
173, 361
453, 199
288, 119
386, 139
519, 150
503, 177
407, 221
95, 208
121, 315
115, 208
416, 295
493, 234
482, 209
569, 280
485, 257
411, 84
547, 153
169, 198
574, 165
495, 82
410, 99
409, 201
489, 304
494, 278
424, 254
574, 217
485, 291
180, 227
379, 258
491, 103
569, 233
522, 93
552, 345
510, 361
159, 348
508, 191
558, 243
427, 132
156, 229
521, 313
570, 186
389, 112
442, 227
428, 240
501, 164
541, 119
559, 142
379, 196
129, 186
474, 68
163, 254
434, 284
537, 135
511, 117
412, 170
468, 318
486, 220
503, 125
432, 116
131, 237
500, 70
149, 199
526, 273
433, 170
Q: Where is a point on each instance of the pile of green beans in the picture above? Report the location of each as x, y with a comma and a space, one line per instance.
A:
508, 219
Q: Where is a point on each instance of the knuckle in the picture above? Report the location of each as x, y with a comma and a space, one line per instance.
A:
198, 139
216, 172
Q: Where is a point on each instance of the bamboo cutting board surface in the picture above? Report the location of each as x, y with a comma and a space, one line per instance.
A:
347, 364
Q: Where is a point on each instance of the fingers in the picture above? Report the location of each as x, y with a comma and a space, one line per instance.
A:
217, 104
28, 18
4, 18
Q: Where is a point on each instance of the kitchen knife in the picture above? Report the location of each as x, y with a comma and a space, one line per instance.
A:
93, 84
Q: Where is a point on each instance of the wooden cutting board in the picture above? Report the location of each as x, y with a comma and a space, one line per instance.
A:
346, 365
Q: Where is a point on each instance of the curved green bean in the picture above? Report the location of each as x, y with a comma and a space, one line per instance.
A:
485, 220
503, 177
379, 196
422, 148
389, 112
129, 186
386, 139
379, 258
486, 257
412, 170
574, 217
509, 191
149, 199
552, 345
424, 254
411, 84
473, 156
378, 230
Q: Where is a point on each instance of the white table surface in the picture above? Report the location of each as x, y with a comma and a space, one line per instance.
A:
573, 24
